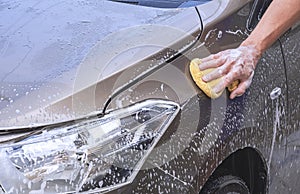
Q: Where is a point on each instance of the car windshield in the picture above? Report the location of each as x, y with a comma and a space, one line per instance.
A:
165, 3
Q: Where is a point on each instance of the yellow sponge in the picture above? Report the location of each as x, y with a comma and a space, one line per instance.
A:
197, 75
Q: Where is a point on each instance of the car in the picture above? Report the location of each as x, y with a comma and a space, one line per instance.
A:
97, 97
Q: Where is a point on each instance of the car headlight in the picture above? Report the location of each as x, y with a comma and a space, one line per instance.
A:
97, 154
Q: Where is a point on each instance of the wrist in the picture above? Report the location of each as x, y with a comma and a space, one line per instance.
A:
258, 47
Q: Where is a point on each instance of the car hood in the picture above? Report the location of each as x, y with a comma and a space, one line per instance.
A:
61, 60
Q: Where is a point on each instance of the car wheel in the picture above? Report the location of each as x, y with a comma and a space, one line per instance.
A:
227, 184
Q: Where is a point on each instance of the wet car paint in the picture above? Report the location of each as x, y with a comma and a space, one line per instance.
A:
208, 131
79, 50
247, 122
286, 160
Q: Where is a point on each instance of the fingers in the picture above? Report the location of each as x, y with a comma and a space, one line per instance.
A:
231, 65
211, 57
233, 75
218, 72
211, 62
225, 81
241, 89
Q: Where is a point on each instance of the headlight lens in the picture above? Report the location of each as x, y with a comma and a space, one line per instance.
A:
97, 154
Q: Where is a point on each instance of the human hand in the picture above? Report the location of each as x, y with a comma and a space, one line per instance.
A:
232, 64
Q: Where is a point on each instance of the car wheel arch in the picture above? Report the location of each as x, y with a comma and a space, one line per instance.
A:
247, 163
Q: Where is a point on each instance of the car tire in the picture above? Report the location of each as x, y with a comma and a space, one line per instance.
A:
226, 184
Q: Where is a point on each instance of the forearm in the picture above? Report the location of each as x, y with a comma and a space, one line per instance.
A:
240, 63
278, 18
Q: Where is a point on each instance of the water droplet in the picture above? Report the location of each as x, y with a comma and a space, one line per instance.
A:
220, 34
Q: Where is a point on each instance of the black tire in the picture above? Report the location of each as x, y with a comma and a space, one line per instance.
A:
227, 184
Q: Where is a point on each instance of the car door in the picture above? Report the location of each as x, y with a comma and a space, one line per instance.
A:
288, 171
260, 112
